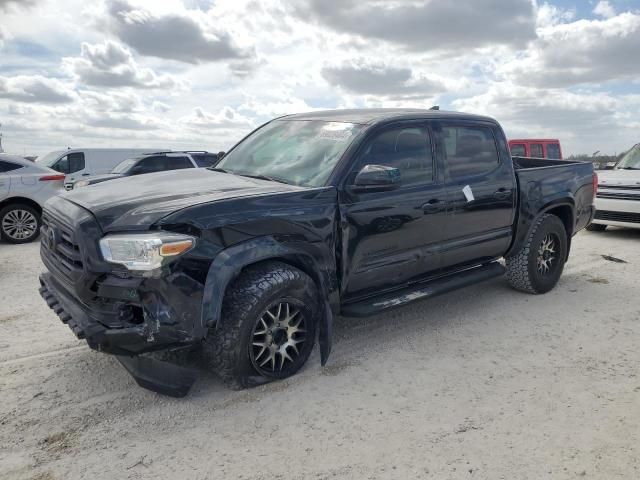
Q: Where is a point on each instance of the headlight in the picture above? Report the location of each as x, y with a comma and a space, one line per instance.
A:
81, 183
144, 251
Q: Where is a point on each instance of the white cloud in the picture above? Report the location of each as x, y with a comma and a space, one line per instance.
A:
111, 65
604, 9
183, 35
35, 89
584, 51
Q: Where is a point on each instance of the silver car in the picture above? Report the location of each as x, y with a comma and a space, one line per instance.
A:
24, 187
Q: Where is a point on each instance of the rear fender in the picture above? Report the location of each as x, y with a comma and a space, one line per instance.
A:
526, 223
311, 259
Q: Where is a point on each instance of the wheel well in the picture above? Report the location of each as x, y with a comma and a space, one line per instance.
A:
22, 201
564, 213
293, 260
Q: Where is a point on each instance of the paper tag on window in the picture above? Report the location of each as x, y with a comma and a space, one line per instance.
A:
468, 193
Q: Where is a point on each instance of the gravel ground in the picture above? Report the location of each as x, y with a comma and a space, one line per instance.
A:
483, 383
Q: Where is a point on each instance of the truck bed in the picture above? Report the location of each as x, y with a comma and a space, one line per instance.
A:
546, 184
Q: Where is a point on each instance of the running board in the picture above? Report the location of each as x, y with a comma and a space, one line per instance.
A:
421, 291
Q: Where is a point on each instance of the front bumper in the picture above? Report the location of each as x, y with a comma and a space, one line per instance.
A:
103, 331
617, 212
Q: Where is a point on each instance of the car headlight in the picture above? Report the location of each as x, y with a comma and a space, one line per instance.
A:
144, 251
81, 183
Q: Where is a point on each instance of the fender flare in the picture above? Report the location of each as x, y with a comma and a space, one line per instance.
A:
562, 202
228, 264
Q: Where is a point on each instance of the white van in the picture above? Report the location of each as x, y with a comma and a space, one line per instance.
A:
77, 163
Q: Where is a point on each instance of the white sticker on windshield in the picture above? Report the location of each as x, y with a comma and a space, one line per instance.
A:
336, 131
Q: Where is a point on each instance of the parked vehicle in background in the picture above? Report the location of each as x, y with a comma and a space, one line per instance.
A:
24, 187
348, 212
536, 148
150, 163
618, 198
77, 163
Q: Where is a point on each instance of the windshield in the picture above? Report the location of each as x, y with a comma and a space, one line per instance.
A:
300, 152
50, 158
124, 165
631, 160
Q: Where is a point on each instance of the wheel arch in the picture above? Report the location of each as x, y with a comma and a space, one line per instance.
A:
22, 201
563, 208
312, 260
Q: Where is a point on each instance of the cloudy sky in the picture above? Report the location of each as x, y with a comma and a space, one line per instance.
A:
202, 73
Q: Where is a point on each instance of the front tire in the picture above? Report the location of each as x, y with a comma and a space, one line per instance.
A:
537, 267
268, 326
19, 223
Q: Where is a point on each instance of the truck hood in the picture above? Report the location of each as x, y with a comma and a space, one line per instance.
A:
137, 202
619, 177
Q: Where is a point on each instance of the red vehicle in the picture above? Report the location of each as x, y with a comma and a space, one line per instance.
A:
536, 148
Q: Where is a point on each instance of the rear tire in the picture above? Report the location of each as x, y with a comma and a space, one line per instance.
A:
537, 267
19, 223
596, 227
267, 328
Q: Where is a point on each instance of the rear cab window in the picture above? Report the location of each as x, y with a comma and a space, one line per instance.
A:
518, 150
536, 150
553, 151
469, 151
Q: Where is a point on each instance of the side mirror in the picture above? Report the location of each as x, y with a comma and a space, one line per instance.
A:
220, 155
376, 178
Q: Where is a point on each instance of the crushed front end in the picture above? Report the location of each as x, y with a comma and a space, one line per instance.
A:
115, 310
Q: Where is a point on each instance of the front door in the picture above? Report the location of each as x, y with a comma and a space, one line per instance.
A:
389, 237
481, 193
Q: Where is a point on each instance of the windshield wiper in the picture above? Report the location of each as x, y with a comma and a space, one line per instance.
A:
218, 169
628, 168
264, 177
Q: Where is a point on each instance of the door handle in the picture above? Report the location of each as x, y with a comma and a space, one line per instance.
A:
502, 194
433, 206
86, 174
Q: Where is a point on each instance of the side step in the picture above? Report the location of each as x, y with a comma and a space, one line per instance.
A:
421, 291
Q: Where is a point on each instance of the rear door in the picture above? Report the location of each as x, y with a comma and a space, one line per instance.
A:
5, 180
480, 190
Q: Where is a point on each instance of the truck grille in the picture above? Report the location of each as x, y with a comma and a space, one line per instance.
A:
60, 249
627, 217
619, 195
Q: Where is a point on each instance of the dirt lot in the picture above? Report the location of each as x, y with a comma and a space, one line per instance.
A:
483, 383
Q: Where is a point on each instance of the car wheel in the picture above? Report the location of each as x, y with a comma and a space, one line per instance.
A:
537, 267
19, 223
596, 227
267, 328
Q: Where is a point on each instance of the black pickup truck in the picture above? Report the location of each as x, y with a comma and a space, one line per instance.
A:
347, 212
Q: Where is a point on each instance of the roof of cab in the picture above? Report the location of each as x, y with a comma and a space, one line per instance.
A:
370, 116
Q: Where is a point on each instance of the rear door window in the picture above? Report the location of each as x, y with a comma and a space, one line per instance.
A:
150, 165
205, 159
553, 151
518, 150
536, 150
9, 166
177, 163
469, 151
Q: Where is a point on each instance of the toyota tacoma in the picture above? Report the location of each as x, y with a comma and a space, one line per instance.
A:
310, 216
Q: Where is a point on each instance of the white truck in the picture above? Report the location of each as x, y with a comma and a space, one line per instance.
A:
618, 198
